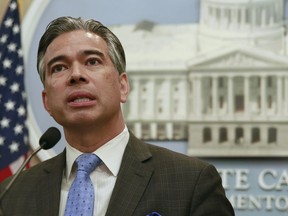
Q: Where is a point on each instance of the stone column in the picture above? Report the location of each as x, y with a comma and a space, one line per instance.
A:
263, 95
264, 135
215, 135
230, 96
263, 17
191, 96
286, 95
135, 99
138, 129
247, 135
243, 16
231, 135
212, 17
279, 95
247, 95
170, 99
253, 16
198, 99
214, 95
234, 19
169, 130
153, 130
154, 98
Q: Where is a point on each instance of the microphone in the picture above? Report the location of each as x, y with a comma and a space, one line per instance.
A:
48, 140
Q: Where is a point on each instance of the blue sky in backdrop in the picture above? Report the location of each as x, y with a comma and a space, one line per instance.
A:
131, 11
128, 11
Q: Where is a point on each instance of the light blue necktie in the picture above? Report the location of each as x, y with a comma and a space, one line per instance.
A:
80, 199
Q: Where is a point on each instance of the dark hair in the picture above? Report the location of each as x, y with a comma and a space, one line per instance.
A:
67, 24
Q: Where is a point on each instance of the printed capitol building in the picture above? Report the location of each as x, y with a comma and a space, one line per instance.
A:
221, 84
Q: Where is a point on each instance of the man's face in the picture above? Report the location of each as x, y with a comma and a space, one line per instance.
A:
82, 86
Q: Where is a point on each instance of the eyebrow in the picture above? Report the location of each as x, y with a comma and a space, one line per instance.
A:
55, 59
96, 52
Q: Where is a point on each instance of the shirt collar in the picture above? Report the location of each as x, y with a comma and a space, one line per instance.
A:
110, 153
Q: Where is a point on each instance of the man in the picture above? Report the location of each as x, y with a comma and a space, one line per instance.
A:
82, 67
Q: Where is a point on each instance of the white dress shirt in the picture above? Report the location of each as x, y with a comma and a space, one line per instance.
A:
103, 177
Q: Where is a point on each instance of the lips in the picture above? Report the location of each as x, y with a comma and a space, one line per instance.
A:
80, 98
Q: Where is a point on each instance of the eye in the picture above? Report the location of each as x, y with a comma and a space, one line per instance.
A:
93, 61
58, 68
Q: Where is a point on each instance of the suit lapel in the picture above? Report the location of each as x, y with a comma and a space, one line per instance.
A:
132, 179
50, 187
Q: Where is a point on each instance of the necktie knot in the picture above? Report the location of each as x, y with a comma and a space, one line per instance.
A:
87, 162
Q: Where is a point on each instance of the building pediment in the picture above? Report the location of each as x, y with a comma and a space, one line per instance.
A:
238, 57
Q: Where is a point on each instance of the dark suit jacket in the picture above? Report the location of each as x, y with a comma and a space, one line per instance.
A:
151, 179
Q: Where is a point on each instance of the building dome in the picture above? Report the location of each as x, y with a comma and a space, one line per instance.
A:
258, 22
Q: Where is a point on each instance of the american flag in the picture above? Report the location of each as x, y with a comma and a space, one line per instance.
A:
13, 130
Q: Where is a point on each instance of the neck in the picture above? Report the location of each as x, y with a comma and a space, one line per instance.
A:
91, 138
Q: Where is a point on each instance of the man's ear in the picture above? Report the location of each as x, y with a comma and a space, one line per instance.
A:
124, 86
45, 102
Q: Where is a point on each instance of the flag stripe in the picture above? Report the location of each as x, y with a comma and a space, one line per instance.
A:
4, 173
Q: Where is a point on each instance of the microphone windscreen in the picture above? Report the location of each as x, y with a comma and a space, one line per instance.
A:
50, 138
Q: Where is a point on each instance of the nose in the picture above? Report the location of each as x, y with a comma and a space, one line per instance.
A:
77, 76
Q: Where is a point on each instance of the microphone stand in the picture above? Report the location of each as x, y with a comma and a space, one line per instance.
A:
3, 193
47, 141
